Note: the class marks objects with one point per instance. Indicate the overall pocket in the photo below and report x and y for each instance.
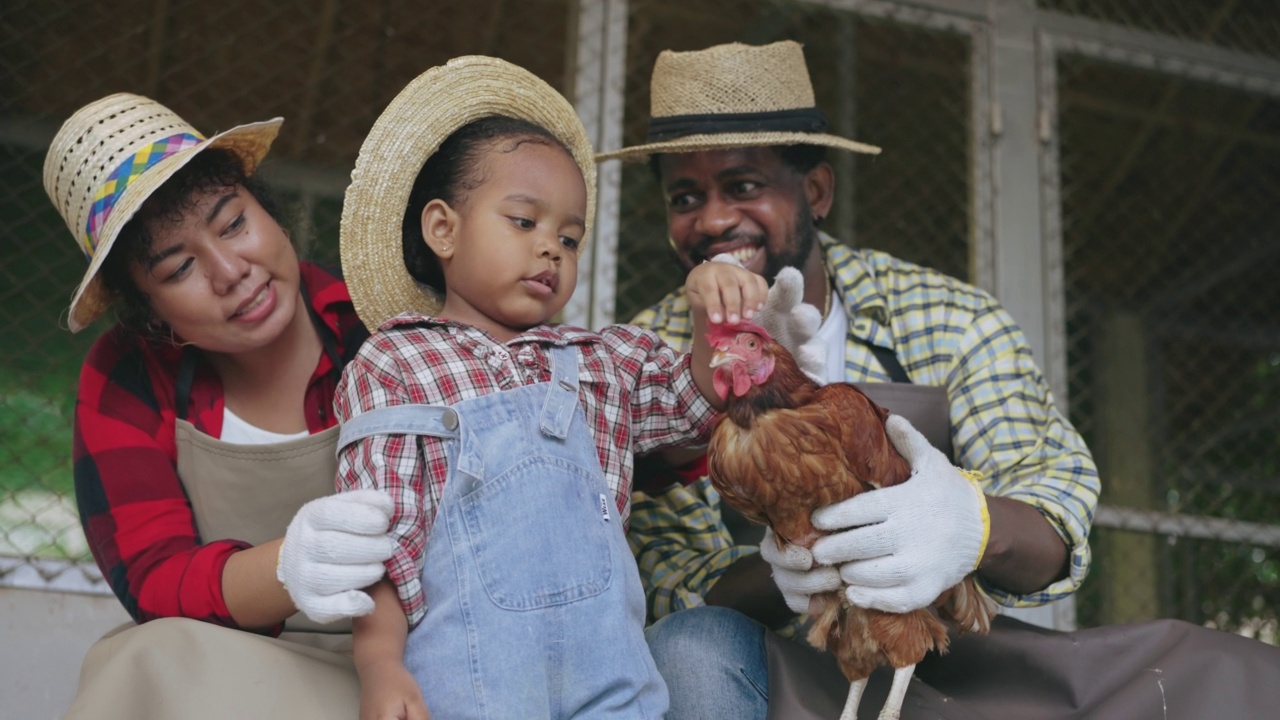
(538, 535)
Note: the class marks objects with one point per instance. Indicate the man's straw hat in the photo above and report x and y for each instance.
(731, 96)
(105, 162)
(424, 114)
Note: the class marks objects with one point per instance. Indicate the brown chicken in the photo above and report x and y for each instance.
(786, 447)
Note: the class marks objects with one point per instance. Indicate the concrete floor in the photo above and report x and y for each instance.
(43, 636)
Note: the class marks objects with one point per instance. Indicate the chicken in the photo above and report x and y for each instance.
(785, 447)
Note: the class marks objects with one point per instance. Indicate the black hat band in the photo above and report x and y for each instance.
(805, 120)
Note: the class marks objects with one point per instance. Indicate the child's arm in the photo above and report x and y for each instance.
(719, 292)
(387, 690)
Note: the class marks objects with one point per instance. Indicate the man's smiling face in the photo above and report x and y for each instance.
(745, 201)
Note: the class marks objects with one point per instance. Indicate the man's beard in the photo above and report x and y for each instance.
(804, 239)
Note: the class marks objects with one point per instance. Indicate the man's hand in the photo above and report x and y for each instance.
(792, 322)
(336, 545)
(794, 573)
(899, 547)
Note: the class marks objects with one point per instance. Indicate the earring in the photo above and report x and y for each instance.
(155, 327)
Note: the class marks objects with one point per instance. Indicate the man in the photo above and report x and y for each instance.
(739, 149)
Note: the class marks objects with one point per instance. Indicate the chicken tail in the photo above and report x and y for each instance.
(968, 607)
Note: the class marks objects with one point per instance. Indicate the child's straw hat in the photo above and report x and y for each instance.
(105, 162)
(415, 123)
(731, 96)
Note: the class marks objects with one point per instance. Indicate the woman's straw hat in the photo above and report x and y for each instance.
(105, 162)
(731, 96)
(429, 110)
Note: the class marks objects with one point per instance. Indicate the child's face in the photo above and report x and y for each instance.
(510, 254)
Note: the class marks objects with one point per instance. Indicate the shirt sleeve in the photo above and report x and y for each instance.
(393, 463)
(134, 511)
(681, 545)
(667, 408)
(1007, 426)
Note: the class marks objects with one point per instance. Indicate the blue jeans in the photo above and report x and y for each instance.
(713, 660)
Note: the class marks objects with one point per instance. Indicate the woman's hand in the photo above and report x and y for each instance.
(389, 692)
(336, 545)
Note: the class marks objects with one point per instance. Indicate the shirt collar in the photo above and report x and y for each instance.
(539, 334)
(855, 280)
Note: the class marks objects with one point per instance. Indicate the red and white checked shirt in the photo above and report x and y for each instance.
(637, 393)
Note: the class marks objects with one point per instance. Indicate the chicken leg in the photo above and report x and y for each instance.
(892, 709)
(855, 698)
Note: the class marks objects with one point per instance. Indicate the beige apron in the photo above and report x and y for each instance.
(188, 669)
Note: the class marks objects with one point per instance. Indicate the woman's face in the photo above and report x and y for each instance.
(223, 276)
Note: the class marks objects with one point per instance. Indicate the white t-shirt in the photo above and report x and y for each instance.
(834, 329)
(236, 431)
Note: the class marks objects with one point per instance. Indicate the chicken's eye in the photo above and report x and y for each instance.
(752, 343)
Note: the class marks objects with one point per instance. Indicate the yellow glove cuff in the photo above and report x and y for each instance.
(973, 476)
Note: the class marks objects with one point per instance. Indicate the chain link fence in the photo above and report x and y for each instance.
(1168, 200)
(1160, 195)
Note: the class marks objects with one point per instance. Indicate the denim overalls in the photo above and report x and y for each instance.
(534, 602)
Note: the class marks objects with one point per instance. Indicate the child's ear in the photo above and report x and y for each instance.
(439, 223)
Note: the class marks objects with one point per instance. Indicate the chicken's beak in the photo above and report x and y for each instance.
(722, 357)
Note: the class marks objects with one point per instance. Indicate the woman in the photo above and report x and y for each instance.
(204, 426)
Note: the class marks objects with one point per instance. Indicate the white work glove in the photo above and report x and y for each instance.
(911, 541)
(794, 573)
(793, 323)
(336, 545)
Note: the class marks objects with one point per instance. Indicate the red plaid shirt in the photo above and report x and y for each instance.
(636, 392)
(132, 506)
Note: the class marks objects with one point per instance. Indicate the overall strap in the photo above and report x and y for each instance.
(562, 391)
(888, 360)
(185, 380)
(435, 420)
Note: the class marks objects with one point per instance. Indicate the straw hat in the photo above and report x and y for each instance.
(108, 158)
(424, 114)
(731, 96)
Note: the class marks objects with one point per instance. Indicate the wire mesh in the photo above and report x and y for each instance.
(1170, 251)
(1167, 193)
(1247, 25)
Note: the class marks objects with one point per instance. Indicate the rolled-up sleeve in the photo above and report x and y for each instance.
(1007, 425)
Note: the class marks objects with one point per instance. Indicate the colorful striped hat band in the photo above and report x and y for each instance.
(118, 181)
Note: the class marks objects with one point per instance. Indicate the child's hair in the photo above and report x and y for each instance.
(211, 170)
(450, 173)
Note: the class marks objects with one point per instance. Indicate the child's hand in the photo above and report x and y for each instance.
(389, 692)
(725, 292)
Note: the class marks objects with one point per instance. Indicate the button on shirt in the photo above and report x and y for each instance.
(637, 394)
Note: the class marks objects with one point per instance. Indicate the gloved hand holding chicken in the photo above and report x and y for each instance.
(787, 447)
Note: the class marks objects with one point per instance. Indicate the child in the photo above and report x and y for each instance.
(504, 438)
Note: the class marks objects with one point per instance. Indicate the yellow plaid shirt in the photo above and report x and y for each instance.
(944, 332)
